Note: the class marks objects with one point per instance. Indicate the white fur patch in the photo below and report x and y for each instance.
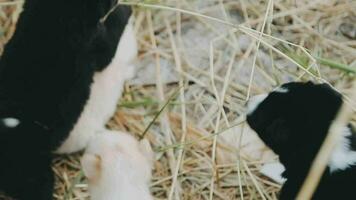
(11, 122)
(105, 92)
(274, 171)
(342, 156)
(118, 167)
(254, 102)
(281, 90)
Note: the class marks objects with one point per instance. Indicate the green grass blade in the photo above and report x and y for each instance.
(336, 65)
(159, 113)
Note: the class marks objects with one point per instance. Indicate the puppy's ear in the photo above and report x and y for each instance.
(146, 150)
(91, 166)
(277, 135)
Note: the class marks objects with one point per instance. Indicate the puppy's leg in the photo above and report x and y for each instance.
(127, 52)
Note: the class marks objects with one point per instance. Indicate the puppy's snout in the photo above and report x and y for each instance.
(254, 102)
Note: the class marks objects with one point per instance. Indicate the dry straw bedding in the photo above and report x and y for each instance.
(207, 57)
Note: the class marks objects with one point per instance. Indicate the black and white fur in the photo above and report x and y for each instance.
(293, 121)
(60, 78)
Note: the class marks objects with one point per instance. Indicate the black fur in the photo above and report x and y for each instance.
(294, 125)
(45, 75)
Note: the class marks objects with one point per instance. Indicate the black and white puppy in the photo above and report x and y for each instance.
(60, 78)
(293, 121)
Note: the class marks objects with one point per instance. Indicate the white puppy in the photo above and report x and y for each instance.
(118, 167)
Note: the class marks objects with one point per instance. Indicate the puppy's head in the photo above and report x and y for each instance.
(294, 118)
(115, 156)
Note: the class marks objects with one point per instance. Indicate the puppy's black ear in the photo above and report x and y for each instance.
(277, 136)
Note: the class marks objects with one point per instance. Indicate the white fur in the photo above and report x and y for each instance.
(11, 122)
(342, 156)
(274, 171)
(254, 102)
(105, 92)
(118, 167)
(281, 90)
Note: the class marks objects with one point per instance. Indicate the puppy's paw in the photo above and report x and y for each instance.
(91, 166)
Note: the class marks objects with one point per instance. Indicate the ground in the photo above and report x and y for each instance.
(206, 58)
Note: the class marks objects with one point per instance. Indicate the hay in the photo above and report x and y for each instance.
(210, 52)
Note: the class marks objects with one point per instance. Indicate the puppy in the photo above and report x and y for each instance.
(293, 121)
(118, 167)
(60, 78)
